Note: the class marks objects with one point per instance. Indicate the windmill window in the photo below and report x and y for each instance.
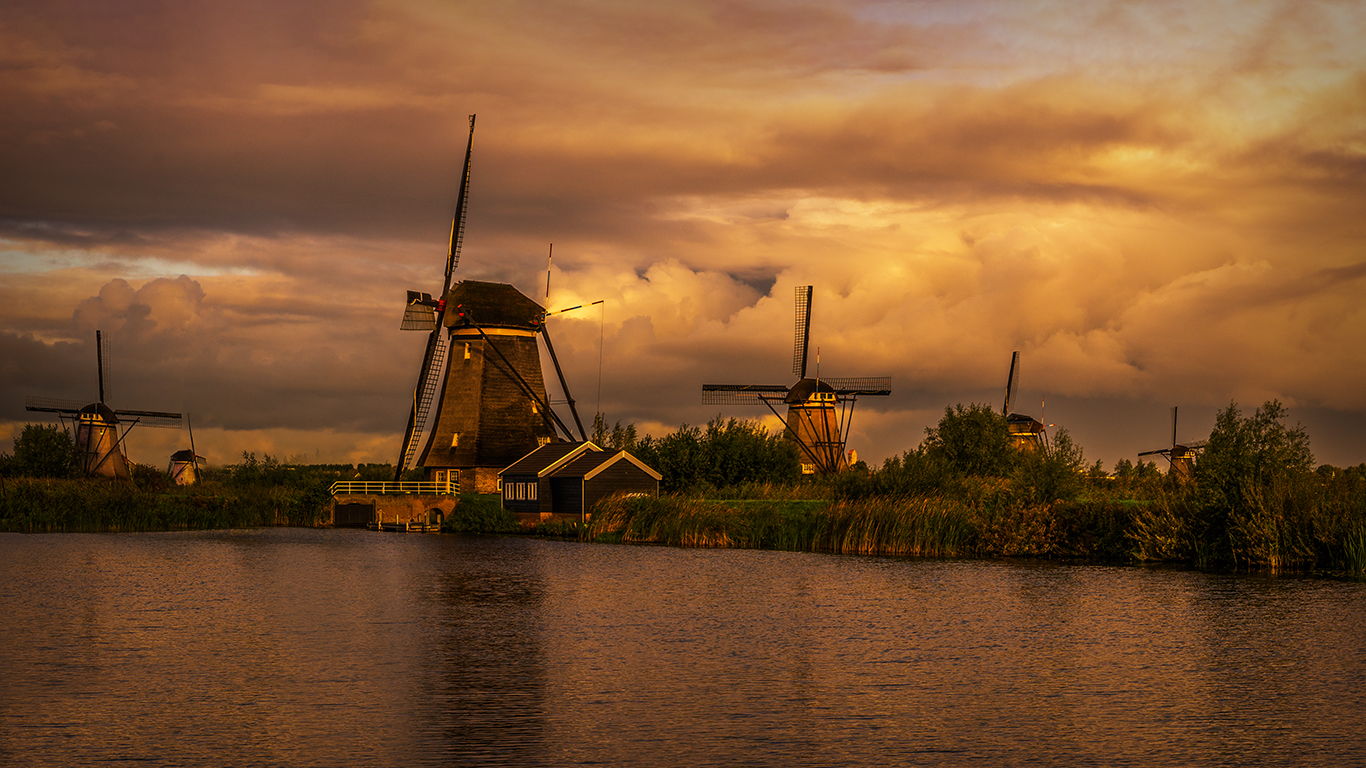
(455, 439)
(540, 441)
(467, 350)
(533, 408)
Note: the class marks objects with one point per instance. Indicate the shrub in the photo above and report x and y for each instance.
(43, 450)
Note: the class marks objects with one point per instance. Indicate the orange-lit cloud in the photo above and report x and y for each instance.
(1159, 204)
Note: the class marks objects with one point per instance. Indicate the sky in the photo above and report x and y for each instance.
(1158, 204)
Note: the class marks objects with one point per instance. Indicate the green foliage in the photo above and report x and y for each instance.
(1051, 472)
(971, 441)
(42, 450)
(618, 438)
(480, 513)
(148, 478)
(1257, 502)
(726, 453)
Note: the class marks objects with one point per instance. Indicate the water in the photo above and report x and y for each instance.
(310, 647)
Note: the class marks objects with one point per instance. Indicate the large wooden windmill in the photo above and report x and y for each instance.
(482, 371)
(1181, 456)
(100, 430)
(819, 411)
(1026, 432)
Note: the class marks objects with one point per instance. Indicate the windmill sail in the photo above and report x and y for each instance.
(818, 411)
(100, 343)
(802, 335)
(434, 355)
(1010, 383)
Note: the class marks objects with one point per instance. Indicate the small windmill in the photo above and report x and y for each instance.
(1026, 432)
(483, 375)
(1181, 456)
(184, 466)
(100, 431)
(819, 411)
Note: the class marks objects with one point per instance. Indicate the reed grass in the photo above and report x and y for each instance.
(96, 506)
(921, 527)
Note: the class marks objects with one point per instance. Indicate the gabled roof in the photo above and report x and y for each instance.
(491, 305)
(548, 458)
(589, 465)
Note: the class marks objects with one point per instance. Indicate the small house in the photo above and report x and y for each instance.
(565, 480)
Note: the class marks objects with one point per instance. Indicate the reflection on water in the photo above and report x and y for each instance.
(302, 647)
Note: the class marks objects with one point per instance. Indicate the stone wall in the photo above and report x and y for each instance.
(401, 508)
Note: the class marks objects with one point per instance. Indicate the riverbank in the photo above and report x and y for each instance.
(1098, 530)
(984, 523)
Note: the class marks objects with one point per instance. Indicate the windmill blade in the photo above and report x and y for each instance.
(1010, 383)
(53, 405)
(428, 380)
(802, 335)
(867, 385)
(420, 314)
(158, 419)
(458, 222)
(1159, 451)
(100, 344)
(719, 394)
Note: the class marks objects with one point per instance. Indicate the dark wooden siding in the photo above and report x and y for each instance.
(621, 477)
(524, 505)
(566, 494)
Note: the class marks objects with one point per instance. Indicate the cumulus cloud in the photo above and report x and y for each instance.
(1155, 203)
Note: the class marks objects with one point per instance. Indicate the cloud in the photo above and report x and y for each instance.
(239, 195)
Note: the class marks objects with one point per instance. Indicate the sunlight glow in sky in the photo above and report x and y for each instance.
(1158, 204)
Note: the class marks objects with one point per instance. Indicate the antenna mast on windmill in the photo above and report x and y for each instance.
(101, 430)
(482, 376)
(819, 411)
(1026, 432)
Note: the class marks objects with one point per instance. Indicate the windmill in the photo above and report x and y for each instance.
(481, 371)
(184, 466)
(1026, 432)
(819, 411)
(100, 431)
(1181, 457)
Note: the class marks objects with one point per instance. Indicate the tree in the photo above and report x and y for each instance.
(618, 438)
(1244, 454)
(1253, 488)
(44, 451)
(726, 453)
(1050, 472)
(971, 441)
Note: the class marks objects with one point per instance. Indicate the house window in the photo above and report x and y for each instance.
(531, 491)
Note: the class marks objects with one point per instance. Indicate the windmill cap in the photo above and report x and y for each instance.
(104, 412)
(491, 305)
(804, 389)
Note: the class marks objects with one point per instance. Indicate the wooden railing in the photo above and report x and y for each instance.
(388, 488)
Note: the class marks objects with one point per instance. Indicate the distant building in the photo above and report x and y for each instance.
(565, 480)
(184, 467)
(1026, 432)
